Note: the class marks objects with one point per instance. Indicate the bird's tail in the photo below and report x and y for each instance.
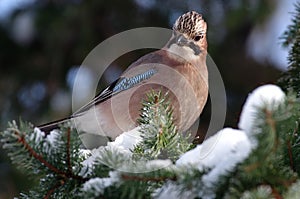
(53, 125)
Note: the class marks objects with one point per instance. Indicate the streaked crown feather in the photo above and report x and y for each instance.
(192, 24)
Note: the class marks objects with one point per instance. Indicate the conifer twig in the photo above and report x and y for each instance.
(290, 155)
(68, 151)
(32, 152)
(50, 191)
(147, 179)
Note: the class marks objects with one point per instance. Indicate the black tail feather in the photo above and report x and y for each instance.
(48, 127)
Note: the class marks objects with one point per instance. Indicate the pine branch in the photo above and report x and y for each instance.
(52, 157)
(160, 136)
(68, 152)
(267, 165)
(33, 153)
(293, 30)
(53, 189)
(290, 153)
(112, 172)
(290, 80)
(147, 179)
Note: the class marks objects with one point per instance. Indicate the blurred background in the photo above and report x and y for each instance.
(43, 43)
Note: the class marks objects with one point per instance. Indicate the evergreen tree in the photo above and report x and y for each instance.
(260, 162)
(65, 170)
(291, 78)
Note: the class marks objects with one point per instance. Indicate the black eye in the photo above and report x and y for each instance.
(198, 37)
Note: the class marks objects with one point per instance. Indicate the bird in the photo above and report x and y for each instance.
(179, 69)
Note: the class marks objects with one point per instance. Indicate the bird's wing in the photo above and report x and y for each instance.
(119, 85)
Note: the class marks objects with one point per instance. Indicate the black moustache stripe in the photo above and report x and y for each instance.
(195, 48)
(191, 45)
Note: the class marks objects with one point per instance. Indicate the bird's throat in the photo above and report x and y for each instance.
(186, 52)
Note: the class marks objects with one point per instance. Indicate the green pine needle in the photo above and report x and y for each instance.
(290, 80)
(160, 136)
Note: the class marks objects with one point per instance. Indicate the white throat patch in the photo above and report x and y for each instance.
(183, 51)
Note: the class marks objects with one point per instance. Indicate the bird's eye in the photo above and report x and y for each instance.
(198, 37)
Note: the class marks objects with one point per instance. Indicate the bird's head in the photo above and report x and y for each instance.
(189, 31)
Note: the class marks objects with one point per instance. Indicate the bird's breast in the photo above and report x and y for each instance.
(184, 82)
(187, 91)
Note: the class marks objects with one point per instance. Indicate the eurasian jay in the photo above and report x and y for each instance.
(179, 69)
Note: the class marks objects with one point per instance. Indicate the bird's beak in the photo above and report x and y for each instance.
(181, 40)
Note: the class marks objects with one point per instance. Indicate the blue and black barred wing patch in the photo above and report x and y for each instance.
(127, 83)
(117, 86)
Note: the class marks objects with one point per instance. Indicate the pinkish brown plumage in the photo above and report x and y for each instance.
(179, 69)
